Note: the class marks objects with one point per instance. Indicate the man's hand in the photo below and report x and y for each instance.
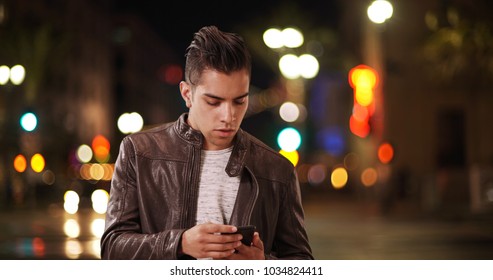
(254, 252)
(205, 241)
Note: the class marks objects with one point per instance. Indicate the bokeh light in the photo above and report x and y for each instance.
(97, 227)
(273, 38)
(20, 163)
(289, 139)
(130, 123)
(4, 74)
(37, 163)
(288, 64)
(339, 177)
(385, 153)
(96, 172)
(380, 11)
(289, 112)
(363, 96)
(292, 156)
(292, 67)
(359, 128)
(84, 153)
(94, 247)
(71, 202)
(29, 121)
(292, 37)
(101, 148)
(369, 177)
(73, 249)
(172, 74)
(360, 113)
(99, 199)
(17, 74)
(331, 139)
(289, 37)
(317, 174)
(363, 79)
(363, 76)
(308, 66)
(39, 247)
(71, 228)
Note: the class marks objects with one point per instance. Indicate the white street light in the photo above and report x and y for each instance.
(292, 38)
(4, 74)
(292, 67)
(380, 11)
(130, 123)
(288, 64)
(289, 37)
(17, 74)
(308, 66)
(273, 38)
(289, 111)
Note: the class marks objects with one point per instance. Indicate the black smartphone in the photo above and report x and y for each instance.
(246, 232)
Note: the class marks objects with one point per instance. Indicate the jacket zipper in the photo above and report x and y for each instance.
(255, 185)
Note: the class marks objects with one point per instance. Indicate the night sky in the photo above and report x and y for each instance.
(176, 21)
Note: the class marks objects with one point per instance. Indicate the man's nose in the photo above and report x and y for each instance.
(228, 113)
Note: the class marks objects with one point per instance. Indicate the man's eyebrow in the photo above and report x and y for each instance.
(210, 95)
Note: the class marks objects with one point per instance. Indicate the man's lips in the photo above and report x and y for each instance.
(225, 131)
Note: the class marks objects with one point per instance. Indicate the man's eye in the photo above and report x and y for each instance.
(213, 103)
(240, 101)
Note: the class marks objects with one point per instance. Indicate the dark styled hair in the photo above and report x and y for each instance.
(216, 50)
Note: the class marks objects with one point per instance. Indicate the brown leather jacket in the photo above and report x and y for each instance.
(153, 196)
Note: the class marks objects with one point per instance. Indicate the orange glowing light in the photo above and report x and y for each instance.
(101, 148)
(20, 163)
(385, 153)
(360, 113)
(359, 128)
(369, 177)
(363, 76)
(339, 177)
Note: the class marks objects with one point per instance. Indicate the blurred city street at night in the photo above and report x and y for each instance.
(383, 107)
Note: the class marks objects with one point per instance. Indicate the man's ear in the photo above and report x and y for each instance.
(186, 93)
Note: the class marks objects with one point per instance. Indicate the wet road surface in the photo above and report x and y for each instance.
(339, 228)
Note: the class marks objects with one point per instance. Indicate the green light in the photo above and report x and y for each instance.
(29, 121)
(289, 139)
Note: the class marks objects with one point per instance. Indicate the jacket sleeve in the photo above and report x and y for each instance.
(291, 240)
(123, 237)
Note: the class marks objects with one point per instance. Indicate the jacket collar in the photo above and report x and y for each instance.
(238, 155)
(186, 132)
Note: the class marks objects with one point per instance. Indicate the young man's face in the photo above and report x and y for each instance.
(217, 106)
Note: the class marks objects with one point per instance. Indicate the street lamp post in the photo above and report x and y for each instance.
(379, 12)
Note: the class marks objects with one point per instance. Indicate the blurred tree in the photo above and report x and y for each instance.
(459, 49)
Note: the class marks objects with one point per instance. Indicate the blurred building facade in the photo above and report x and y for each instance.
(435, 61)
(85, 65)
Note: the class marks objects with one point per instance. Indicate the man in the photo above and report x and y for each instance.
(178, 188)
